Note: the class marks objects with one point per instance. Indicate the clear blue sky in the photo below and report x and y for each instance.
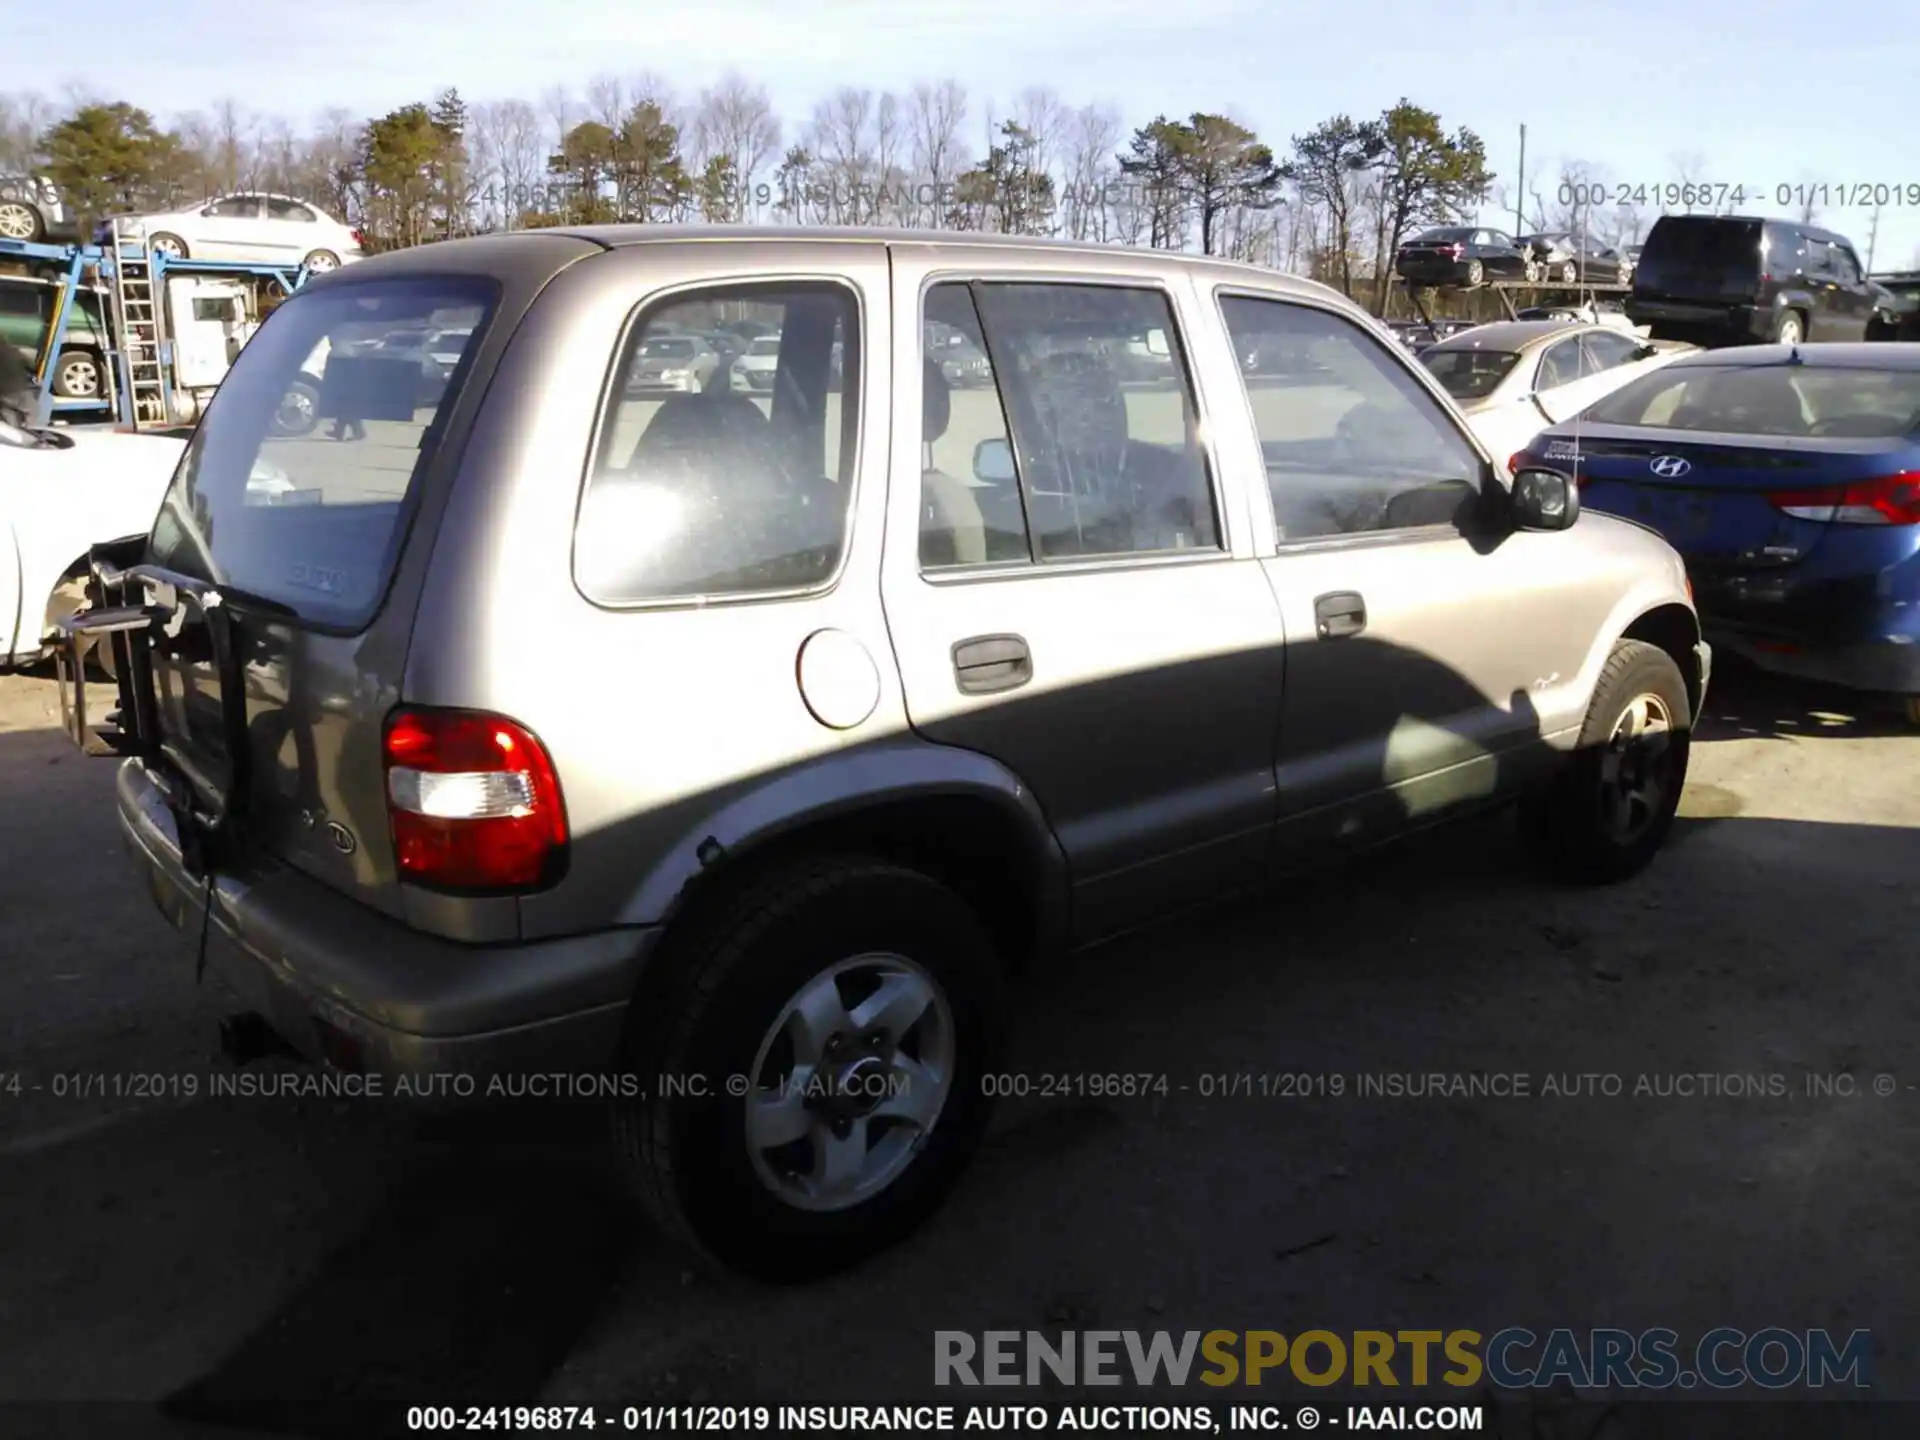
(1761, 93)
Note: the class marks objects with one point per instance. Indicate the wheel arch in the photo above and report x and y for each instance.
(1674, 628)
(957, 815)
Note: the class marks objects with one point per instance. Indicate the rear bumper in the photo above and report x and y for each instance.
(345, 985)
(1729, 321)
(1887, 666)
(1436, 272)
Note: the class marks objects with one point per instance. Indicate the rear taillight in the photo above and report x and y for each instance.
(1885, 500)
(474, 802)
(1515, 460)
(360, 239)
(1458, 251)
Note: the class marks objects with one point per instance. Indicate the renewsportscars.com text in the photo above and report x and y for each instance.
(1514, 1358)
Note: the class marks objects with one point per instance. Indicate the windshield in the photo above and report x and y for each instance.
(666, 349)
(322, 543)
(1769, 400)
(1469, 374)
(765, 345)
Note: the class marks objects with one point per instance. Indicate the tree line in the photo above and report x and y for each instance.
(1333, 202)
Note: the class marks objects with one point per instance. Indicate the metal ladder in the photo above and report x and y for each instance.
(140, 327)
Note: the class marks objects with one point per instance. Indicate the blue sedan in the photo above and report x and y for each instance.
(1789, 478)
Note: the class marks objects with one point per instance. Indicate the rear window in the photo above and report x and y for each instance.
(1469, 374)
(1769, 400)
(1445, 232)
(1701, 247)
(298, 482)
(736, 487)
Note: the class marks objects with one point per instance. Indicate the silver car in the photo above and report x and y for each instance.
(735, 752)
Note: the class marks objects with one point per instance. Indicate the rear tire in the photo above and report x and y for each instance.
(299, 411)
(1790, 329)
(1913, 709)
(78, 375)
(1569, 273)
(172, 246)
(320, 262)
(731, 990)
(20, 221)
(1476, 274)
(1609, 811)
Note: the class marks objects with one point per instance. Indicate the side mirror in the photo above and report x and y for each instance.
(993, 462)
(1543, 500)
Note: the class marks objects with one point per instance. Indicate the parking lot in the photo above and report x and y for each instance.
(247, 1253)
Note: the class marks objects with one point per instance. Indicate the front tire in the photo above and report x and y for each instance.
(1609, 811)
(1569, 273)
(320, 262)
(1913, 709)
(823, 978)
(1791, 330)
(1476, 274)
(171, 246)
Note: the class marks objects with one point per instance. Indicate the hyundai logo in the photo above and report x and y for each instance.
(1671, 467)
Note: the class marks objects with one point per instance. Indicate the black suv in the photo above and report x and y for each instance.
(1741, 280)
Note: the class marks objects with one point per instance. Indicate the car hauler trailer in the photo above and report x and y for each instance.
(172, 326)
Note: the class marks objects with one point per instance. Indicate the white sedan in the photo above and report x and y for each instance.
(62, 491)
(273, 229)
(1514, 378)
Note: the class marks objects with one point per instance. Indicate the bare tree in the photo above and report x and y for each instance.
(1041, 114)
(842, 143)
(24, 118)
(331, 169)
(1689, 172)
(277, 156)
(935, 117)
(508, 160)
(735, 122)
(1093, 138)
(892, 152)
(562, 112)
(233, 131)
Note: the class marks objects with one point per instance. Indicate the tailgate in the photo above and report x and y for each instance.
(261, 670)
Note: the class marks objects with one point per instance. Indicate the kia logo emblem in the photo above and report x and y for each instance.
(341, 837)
(1671, 467)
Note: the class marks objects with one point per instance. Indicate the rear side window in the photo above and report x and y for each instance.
(298, 483)
(714, 478)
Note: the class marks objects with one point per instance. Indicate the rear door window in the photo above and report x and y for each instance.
(739, 481)
(299, 482)
(1560, 365)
